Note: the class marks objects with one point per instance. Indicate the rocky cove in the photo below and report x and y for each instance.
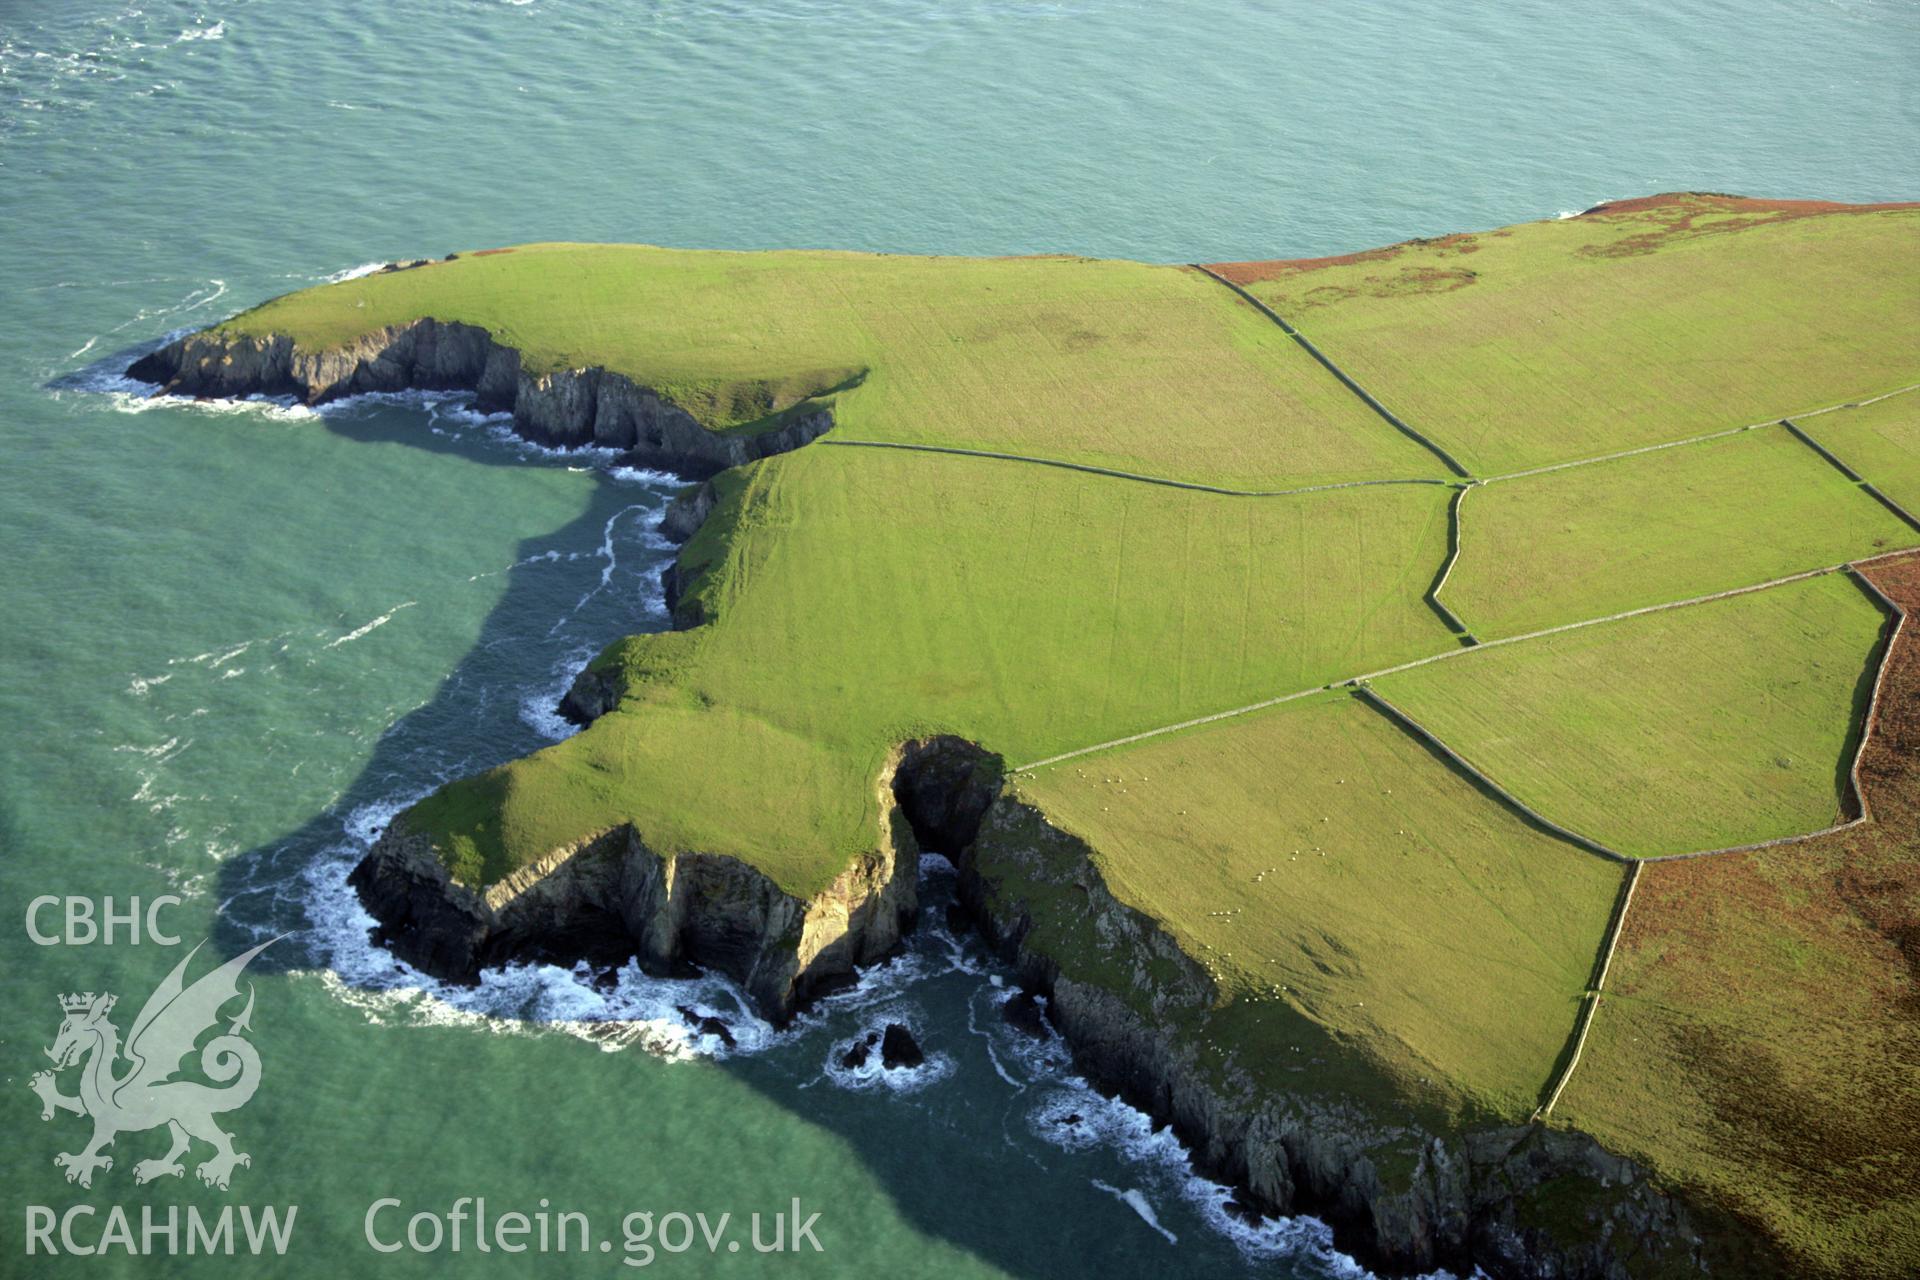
(1520, 1201)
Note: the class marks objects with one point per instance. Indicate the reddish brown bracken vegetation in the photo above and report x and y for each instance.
(1245, 273)
(1667, 217)
(1790, 977)
(1677, 214)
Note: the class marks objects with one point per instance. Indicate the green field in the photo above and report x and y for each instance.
(1881, 442)
(1317, 856)
(1116, 364)
(1591, 541)
(1704, 727)
(1567, 339)
(1031, 609)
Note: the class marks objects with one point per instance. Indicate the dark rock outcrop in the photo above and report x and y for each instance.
(899, 1050)
(593, 693)
(706, 1024)
(856, 1057)
(565, 408)
(613, 896)
(1023, 1013)
(944, 785)
(688, 511)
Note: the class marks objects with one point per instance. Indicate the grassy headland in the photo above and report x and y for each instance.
(1356, 901)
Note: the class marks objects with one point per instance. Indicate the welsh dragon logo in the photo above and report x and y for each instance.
(145, 1094)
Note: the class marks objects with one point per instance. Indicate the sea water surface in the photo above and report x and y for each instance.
(234, 639)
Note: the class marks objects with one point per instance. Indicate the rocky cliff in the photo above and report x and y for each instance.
(612, 897)
(568, 408)
(1520, 1201)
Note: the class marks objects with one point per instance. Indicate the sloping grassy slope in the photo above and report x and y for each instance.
(1323, 863)
(1881, 442)
(1119, 364)
(1595, 540)
(1761, 1042)
(866, 596)
(1720, 724)
(1646, 321)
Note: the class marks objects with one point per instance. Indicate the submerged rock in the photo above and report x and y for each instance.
(706, 1024)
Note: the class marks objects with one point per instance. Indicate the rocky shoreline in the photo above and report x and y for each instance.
(569, 408)
(612, 898)
(1470, 1199)
(1479, 1198)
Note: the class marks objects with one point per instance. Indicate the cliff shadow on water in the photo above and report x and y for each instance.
(944, 1163)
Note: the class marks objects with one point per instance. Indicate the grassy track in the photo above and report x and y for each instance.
(1723, 724)
(1031, 609)
(1322, 861)
(1880, 442)
(1640, 323)
(1671, 525)
(1114, 364)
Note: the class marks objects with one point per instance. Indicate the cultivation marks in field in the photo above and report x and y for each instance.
(1449, 654)
(1878, 442)
(1589, 1002)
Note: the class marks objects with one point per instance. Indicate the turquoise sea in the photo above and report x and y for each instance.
(234, 638)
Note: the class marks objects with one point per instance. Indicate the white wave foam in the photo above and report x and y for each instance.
(352, 273)
(128, 395)
(218, 31)
(1075, 1117)
(364, 628)
(539, 709)
(1136, 1200)
(624, 1009)
(643, 475)
(653, 601)
(162, 752)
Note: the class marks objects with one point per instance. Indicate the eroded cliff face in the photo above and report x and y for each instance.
(612, 897)
(1515, 1200)
(566, 409)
